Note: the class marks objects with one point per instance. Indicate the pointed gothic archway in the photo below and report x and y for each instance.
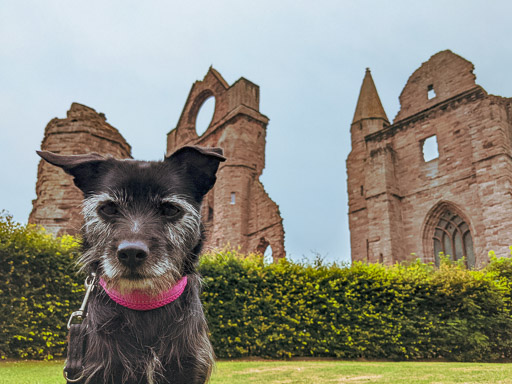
(447, 230)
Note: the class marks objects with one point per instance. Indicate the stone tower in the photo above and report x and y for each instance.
(58, 203)
(406, 201)
(237, 211)
(369, 118)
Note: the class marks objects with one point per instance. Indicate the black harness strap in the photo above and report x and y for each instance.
(73, 371)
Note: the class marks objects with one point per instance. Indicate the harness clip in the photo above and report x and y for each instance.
(90, 283)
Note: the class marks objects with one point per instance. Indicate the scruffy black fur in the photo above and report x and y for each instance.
(143, 231)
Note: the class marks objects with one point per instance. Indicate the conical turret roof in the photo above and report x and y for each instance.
(368, 104)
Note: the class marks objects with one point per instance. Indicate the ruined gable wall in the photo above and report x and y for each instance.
(58, 203)
(239, 129)
(448, 74)
(474, 154)
(472, 174)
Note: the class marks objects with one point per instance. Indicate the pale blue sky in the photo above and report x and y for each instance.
(136, 61)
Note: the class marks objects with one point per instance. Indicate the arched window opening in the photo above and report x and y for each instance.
(267, 255)
(205, 115)
(264, 248)
(452, 237)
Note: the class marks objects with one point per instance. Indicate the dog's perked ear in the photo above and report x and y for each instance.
(84, 168)
(200, 163)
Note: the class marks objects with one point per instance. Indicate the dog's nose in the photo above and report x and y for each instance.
(132, 254)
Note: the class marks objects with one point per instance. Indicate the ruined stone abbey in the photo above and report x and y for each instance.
(436, 179)
(405, 203)
(237, 212)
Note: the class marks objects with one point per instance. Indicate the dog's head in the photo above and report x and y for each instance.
(142, 218)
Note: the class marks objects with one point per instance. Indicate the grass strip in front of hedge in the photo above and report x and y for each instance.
(301, 372)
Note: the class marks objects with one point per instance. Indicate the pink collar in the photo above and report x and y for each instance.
(140, 301)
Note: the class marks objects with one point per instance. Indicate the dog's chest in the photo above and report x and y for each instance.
(138, 329)
(137, 341)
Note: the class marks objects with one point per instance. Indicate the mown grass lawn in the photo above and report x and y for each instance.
(310, 372)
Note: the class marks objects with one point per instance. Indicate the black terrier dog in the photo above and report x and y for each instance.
(142, 237)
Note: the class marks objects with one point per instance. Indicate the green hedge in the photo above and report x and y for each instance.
(280, 310)
(38, 289)
(362, 311)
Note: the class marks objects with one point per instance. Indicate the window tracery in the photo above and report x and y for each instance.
(453, 237)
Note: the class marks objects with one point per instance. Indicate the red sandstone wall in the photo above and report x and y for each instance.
(448, 73)
(473, 173)
(253, 221)
(58, 203)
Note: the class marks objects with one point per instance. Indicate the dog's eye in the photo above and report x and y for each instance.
(109, 209)
(169, 210)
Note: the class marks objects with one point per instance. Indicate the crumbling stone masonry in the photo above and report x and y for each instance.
(400, 200)
(58, 203)
(237, 211)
